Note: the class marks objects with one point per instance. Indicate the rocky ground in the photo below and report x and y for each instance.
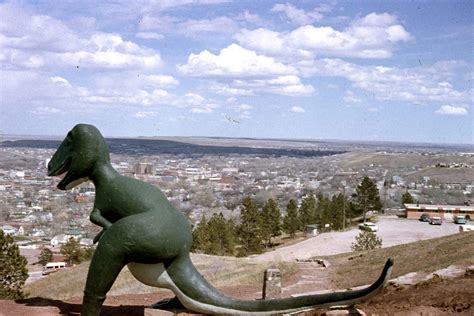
(446, 293)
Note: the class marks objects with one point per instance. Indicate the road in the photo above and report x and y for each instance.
(392, 230)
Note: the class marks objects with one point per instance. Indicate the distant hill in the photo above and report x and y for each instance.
(160, 146)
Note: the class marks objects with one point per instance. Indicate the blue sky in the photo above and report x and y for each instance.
(359, 70)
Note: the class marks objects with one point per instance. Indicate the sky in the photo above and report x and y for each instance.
(349, 70)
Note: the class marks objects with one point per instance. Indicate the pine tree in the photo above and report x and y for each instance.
(72, 251)
(336, 211)
(200, 236)
(366, 241)
(221, 236)
(13, 271)
(291, 221)
(249, 230)
(367, 197)
(45, 256)
(323, 212)
(307, 211)
(407, 198)
(271, 221)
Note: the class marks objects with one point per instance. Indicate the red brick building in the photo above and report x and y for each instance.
(443, 211)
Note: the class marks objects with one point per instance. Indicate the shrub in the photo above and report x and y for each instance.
(366, 240)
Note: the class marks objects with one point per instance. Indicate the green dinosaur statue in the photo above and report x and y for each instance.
(143, 230)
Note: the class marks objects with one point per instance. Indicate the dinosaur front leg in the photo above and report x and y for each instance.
(106, 264)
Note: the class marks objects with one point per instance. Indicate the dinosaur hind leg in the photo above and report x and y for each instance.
(105, 266)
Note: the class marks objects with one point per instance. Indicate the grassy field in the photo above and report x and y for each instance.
(220, 271)
(353, 269)
(393, 161)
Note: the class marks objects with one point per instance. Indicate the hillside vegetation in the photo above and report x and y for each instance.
(346, 270)
(220, 271)
(359, 268)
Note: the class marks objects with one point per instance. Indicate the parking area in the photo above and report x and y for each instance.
(392, 230)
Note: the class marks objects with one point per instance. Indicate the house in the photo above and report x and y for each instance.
(9, 230)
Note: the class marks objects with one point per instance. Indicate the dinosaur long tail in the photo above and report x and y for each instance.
(196, 294)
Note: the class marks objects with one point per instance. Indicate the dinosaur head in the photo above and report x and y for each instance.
(79, 153)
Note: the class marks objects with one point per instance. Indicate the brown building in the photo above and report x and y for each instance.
(443, 211)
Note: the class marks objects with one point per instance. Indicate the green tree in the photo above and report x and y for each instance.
(72, 251)
(13, 271)
(249, 230)
(46, 255)
(407, 198)
(336, 216)
(200, 236)
(307, 211)
(366, 240)
(323, 212)
(291, 222)
(271, 221)
(367, 197)
(221, 234)
(88, 253)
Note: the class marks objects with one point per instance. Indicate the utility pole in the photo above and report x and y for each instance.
(344, 205)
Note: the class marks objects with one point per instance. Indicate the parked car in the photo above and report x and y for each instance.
(425, 217)
(435, 220)
(466, 228)
(460, 219)
(52, 267)
(368, 226)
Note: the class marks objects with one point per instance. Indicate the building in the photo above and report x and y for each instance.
(144, 168)
(9, 230)
(443, 211)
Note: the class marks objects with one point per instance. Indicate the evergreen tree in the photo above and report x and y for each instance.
(366, 241)
(45, 256)
(307, 211)
(367, 197)
(200, 236)
(336, 211)
(271, 221)
(323, 212)
(88, 253)
(13, 271)
(291, 221)
(221, 236)
(249, 230)
(407, 198)
(72, 251)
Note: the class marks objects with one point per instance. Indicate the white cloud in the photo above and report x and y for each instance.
(300, 16)
(149, 35)
(416, 85)
(144, 114)
(233, 61)
(297, 109)
(451, 110)
(262, 40)
(350, 97)
(39, 41)
(46, 110)
(372, 36)
(251, 87)
(216, 25)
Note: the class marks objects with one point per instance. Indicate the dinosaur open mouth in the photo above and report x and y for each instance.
(62, 168)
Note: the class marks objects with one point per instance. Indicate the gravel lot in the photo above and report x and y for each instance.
(392, 230)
